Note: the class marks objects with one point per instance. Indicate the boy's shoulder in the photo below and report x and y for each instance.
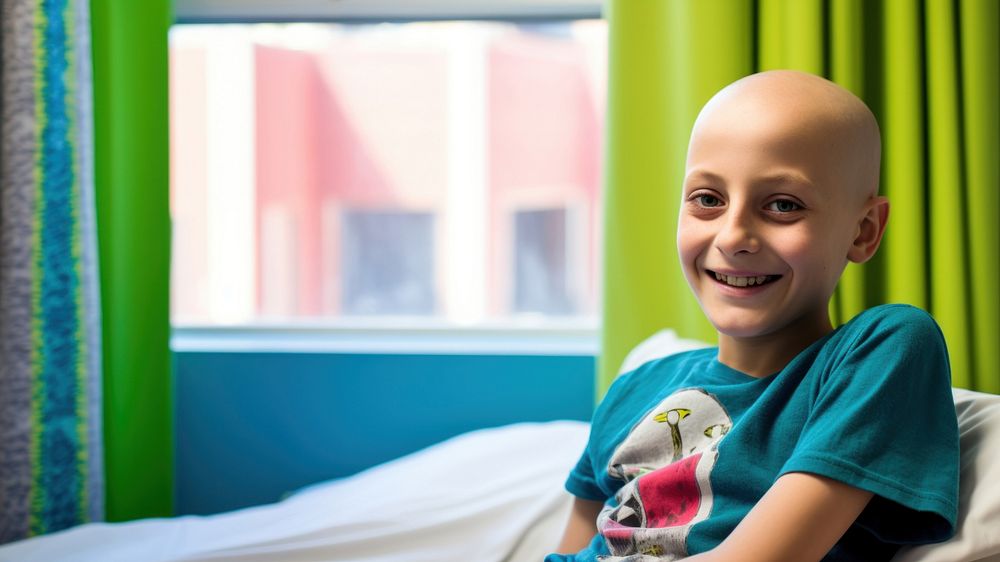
(672, 360)
(894, 318)
(661, 344)
(656, 369)
(895, 311)
(882, 339)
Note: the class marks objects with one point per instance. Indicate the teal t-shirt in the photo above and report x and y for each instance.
(683, 447)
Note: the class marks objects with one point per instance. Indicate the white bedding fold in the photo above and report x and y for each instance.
(493, 494)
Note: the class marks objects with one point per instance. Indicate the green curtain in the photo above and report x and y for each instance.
(928, 70)
(131, 181)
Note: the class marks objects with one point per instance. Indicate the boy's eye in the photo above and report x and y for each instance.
(706, 200)
(783, 206)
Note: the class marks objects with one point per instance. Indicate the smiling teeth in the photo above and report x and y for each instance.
(741, 281)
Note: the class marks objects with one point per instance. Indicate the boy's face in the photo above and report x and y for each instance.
(766, 223)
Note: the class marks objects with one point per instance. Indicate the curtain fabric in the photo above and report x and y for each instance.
(929, 71)
(51, 457)
(131, 160)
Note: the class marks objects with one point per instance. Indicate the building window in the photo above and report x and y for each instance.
(387, 263)
(541, 263)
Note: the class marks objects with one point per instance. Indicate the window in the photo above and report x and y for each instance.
(541, 263)
(445, 170)
(388, 263)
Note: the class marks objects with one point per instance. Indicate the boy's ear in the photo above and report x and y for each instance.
(870, 230)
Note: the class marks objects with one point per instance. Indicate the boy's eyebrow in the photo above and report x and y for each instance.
(787, 176)
(778, 176)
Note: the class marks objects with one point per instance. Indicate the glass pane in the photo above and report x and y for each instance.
(540, 267)
(433, 169)
(388, 263)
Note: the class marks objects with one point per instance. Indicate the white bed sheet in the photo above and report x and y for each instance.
(493, 494)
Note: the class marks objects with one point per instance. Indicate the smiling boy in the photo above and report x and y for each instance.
(791, 440)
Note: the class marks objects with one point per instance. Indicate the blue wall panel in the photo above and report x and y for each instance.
(253, 426)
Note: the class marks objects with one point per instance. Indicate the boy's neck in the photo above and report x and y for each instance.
(764, 355)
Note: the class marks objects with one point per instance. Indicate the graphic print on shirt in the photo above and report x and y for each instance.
(665, 461)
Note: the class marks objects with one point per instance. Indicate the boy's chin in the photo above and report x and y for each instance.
(747, 324)
(742, 327)
(740, 333)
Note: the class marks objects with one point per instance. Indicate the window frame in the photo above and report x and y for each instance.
(389, 335)
(366, 11)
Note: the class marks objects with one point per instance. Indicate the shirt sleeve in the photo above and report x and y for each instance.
(583, 480)
(883, 420)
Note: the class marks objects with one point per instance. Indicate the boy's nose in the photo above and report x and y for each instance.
(737, 235)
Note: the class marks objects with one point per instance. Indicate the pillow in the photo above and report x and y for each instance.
(978, 536)
(660, 344)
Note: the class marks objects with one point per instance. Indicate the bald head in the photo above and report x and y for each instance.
(823, 123)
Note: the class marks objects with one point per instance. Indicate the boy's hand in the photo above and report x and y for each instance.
(582, 526)
(799, 519)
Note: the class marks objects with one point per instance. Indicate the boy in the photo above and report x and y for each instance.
(792, 440)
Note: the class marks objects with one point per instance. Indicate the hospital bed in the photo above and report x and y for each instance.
(489, 495)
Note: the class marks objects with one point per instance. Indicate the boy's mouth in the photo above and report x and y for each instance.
(742, 281)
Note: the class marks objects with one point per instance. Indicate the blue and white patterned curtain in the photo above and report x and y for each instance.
(51, 457)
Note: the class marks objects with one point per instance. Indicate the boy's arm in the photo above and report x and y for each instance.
(582, 526)
(799, 519)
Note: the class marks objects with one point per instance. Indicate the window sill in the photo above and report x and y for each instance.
(385, 336)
